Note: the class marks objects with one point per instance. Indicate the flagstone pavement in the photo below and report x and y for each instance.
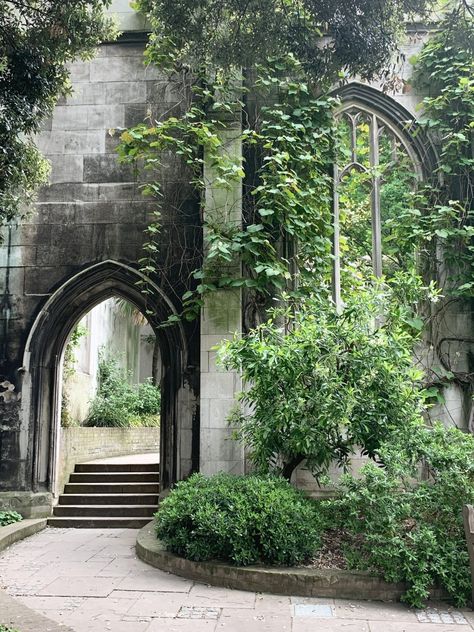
(91, 581)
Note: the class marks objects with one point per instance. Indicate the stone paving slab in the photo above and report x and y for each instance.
(15, 614)
(89, 580)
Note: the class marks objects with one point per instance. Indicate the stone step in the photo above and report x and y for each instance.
(112, 488)
(108, 499)
(112, 522)
(105, 510)
(117, 467)
(114, 477)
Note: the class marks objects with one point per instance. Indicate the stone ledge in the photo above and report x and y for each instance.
(20, 530)
(301, 582)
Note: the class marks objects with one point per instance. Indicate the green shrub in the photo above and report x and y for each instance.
(5, 628)
(121, 404)
(239, 519)
(409, 531)
(320, 384)
(9, 517)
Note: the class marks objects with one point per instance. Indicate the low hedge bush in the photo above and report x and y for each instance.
(408, 530)
(9, 517)
(239, 519)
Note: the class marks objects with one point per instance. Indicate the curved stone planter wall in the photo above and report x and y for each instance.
(20, 530)
(303, 582)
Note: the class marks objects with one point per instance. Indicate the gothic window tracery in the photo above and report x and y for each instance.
(374, 160)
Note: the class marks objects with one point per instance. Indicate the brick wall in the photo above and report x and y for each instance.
(85, 444)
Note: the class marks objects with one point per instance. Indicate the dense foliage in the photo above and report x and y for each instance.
(120, 404)
(242, 33)
(445, 69)
(69, 370)
(9, 517)
(240, 519)
(408, 530)
(319, 384)
(37, 39)
(4, 628)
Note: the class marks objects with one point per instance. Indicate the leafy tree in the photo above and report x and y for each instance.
(445, 70)
(320, 384)
(37, 39)
(242, 33)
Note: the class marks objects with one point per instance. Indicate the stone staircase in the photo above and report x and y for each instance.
(108, 496)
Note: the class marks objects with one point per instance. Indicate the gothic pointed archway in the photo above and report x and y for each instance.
(43, 358)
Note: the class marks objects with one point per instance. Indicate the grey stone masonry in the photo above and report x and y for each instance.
(91, 212)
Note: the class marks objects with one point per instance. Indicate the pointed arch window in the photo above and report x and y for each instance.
(371, 153)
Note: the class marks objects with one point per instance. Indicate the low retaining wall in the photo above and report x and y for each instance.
(302, 582)
(85, 444)
(20, 530)
(28, 504)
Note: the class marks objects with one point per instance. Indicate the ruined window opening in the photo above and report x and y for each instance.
(369, 148)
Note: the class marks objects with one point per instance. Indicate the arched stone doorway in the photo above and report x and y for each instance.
(42, 370)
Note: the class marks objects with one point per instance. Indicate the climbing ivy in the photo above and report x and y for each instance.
(290, 200)
(289, 147)
(445, 69)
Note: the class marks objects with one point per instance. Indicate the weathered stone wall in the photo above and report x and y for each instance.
(93, 211)
(86, 444)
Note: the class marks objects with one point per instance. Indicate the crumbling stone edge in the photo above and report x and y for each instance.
(20, 530)
(302, 582)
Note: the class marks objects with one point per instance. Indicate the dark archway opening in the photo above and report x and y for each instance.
(179, 441)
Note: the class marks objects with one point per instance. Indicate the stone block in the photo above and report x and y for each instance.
(79, 71)
(209, 468)
(126, 92)
(118, 241)
(66, 168)
(87, 94)
(60, 213)
(47, 124)
(105, 116)
(89, 192)
(219, 385)
(40, 281)
(17, 257)
(125, 49)
(219, 410)
(136, 113)
(217, 445)
(29, 504)
(112, 140)
(106, 69)
(106, 168)
(84, 142)
(50, 142)
(70, 117)
(31, 235)
(78, 239)
(208, 341)
(162, 90)
(111, 212)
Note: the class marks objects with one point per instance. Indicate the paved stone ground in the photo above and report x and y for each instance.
(91, 581)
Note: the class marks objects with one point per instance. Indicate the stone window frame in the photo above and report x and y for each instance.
(383, 113)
